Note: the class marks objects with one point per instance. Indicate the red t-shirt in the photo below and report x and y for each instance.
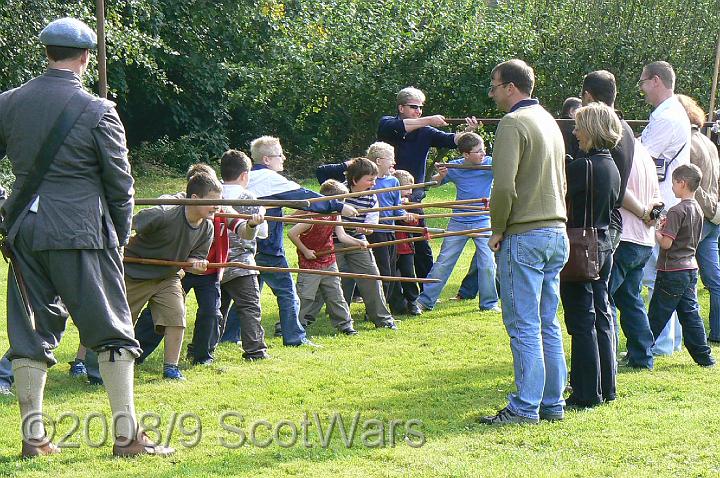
(220, 247)
(318, 238)
(405, 248)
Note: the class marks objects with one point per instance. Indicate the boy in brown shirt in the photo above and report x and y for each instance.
(678, 236)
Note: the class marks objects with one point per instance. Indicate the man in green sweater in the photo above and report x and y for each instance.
(527, 213)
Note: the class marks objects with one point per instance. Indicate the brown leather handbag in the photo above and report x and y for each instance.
(583, 265)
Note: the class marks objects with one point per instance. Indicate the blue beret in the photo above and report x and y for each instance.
(68, 32)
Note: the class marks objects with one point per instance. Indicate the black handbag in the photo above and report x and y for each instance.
(583, 265)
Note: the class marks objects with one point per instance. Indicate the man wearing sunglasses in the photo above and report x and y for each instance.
(412, 135)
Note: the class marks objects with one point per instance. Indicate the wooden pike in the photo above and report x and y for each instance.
(459, 204)
(470, 232)
(445, 214)
(345, 224)
(240, 265)
(221, 202)
(559, 120)
(373, 191)
(484, 167)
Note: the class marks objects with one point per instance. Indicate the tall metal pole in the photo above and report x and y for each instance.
(101, 58)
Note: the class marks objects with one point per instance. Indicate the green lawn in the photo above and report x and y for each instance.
(443, 369)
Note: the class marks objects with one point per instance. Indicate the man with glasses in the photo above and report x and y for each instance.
(667, 139)
(527, 213)
(412, 135)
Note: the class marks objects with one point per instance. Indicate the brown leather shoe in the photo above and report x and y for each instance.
(126, 448)
(33, 447)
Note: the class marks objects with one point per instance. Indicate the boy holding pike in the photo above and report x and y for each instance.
(470, 183)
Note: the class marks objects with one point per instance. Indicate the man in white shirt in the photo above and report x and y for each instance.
(667, 139)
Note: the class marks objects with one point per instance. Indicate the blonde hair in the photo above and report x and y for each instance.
(410, 93)
(600, 123)
(333, 188)
(199, 168)
(380, 150)
(262, 147)
(693, 110)
(404, 177)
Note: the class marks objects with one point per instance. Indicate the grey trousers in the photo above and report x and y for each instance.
(363, 262)
(86, 284)
(327, 290)
(245, 291)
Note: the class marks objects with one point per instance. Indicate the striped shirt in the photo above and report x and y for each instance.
(362, 202)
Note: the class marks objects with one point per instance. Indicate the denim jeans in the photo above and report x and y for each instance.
(469, 285)
(529, 265)
(626, 290)
(670, 340)
(450, 251)
(707, 258)
(231, 331)
(675, 291)
(6, 373)
(590, 325)
(283, 286)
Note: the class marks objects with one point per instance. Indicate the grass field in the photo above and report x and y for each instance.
(432, 378)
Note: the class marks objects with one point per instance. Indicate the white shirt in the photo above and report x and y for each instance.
(667, 132)
(643, 184)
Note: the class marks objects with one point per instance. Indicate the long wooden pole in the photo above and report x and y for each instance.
(241, 265)
(559, 120)
(713, 90)
(459, 204)
(470, 232)
(443, 214)
(373, 191)
(221, 202)
(102, 57)
(345, 224)
(463, 166)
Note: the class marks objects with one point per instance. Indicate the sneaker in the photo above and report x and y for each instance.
(459, 297)
(172, 372)
(494, 308)
(349, 331)
(414, 308)
(309, 343)
(387, 325)
(551, 416)
(507, 417)
(78, 369)
(93, 380)
(5, 389)
(253, 358)
(205, 361)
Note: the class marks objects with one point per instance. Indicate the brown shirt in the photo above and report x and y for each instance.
(684, 225)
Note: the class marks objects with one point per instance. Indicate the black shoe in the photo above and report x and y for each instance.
(205, 361)
(349, 331)
(571, 403)
(387, 325)
(507, 417)
(713, 341)
(278, 329)
(551, 416)
(309, 320)
(414, 308)
(253, 358)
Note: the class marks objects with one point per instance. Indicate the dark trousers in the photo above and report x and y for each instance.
(206, 332)
(245, 292)
(405, 292)
(423, 259)
(590, 325)
(675, 291)
(385, 258)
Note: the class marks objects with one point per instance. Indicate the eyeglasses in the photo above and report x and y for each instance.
(643, 80)
(415, 107)
(481, 152)
(492, 87)
(275, 155)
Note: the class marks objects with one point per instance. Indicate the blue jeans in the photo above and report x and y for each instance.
(626, 290)
(707, 258)
(670, 340)
(282, 285)
(231, 333)
(6, 373)
(469, 285)
(450, 251)
(675, 291)
(529, 265)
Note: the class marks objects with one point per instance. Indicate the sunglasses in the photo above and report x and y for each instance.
(415, 107)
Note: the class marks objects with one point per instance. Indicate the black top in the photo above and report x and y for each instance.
(606, 182)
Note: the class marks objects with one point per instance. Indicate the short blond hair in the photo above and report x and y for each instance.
(262, 147)
(404, 177)
(600, 123)
(333, 188)
(410, 93)
(199, 168)
(380, 150)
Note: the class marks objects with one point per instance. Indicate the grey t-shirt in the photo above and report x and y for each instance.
(163, 232)
(684, 225)
(242, 250)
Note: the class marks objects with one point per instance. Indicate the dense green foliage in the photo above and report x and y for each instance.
(319, 74)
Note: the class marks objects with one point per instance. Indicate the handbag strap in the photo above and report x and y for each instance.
(55, 138)
(589, 185)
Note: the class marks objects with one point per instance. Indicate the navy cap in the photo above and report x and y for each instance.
(68, 32)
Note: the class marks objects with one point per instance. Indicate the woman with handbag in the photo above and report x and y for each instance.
(593, 187)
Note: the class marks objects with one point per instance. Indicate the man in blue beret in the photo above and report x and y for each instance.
(65, 235)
